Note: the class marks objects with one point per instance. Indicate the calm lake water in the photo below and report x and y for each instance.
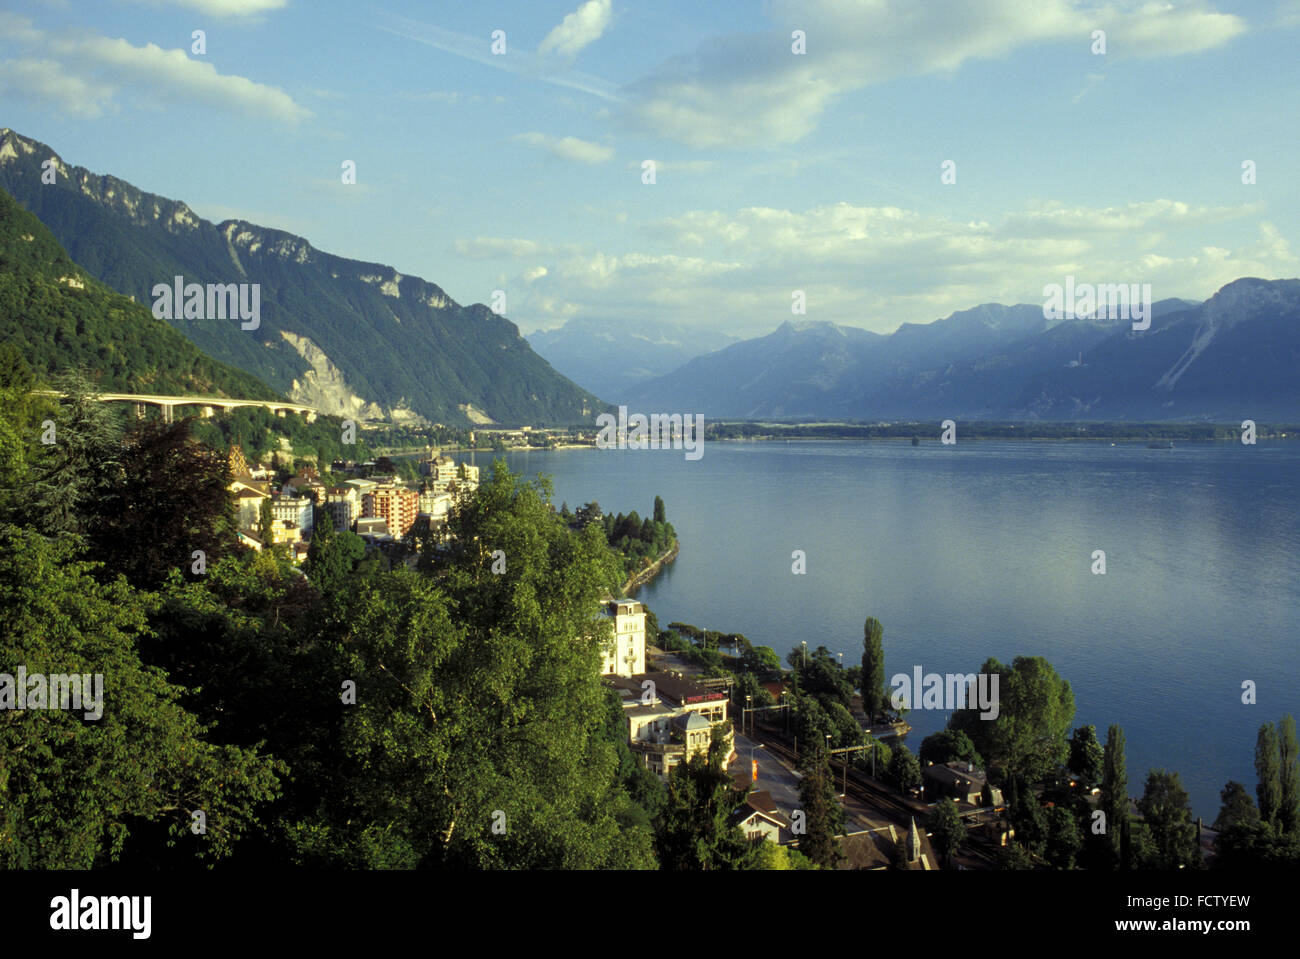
(985, 549)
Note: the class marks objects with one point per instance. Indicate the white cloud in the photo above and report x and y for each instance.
(747, 90)
(569, 148)
(877, 267)
(223, 8)
(578, 29)
(50, 82)
(486, 248)
(86, 70)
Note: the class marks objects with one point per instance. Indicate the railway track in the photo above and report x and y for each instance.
(898, 809)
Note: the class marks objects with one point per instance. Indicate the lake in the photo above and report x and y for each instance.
(986, 549)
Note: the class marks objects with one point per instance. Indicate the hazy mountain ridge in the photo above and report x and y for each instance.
(395, 343)
(609, 359)
(1235, 356)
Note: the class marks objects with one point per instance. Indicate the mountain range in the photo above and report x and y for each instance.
(610, 359)
(59, 316)
(1235, 356)
(349, 337)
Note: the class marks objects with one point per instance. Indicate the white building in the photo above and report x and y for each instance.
(294, 509)
(625, 654)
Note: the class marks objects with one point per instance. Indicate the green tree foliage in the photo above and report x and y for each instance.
(696, 828)
(639, 542)
(69, 475)
(1064, 841)
(904, 770)
(1036, 707)
(1268, 768)
(60, 317)
(949, 745)
(1238, 808)
(333, 558)
(1113, 800)
(823, 815)
(1014, 857)
(1288, 817)
(1167, 814)
(1086, 756)
(769, 855)
(947, 832)
(170, 498)
(660, 516)
(498, 709)
(72, 789)
(1029, 819)
(875, 694)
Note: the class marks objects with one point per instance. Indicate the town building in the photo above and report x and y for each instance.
(959, 781)
(343, 503)
(447, 476)
(397, 506)
(760, 819)
(671, 718)
(294, 510)
(625, 654)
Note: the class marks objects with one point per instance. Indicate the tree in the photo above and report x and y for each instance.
(1167, 814)
(333, 558)
(770, 855)
(1086, 756)
(947, 833)
(823, 815)
(659, 514)
(170, 499)
(1238, 808)
(696, 829)
(1114, 786)
(1035, 709)
(904, 770)
(949, 745)
(874, 691)
(1289, 776)
(1030, 820)
(478, 737)
(1013, 856)
(1268, 767)
(75, 787)
(68, 476)
(265, 524)
(1063, 838)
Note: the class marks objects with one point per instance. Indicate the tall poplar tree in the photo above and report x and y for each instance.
(1289, 774)
(1114, 787)
(873, 669)
(1268, 768)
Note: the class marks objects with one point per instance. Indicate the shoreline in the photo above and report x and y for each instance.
(640, 579)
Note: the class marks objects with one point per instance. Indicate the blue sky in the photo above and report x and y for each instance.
(774, 171)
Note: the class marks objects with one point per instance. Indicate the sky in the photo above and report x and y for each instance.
(775, 171)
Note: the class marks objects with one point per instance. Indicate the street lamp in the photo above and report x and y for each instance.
(749, 703)
(753, 764)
